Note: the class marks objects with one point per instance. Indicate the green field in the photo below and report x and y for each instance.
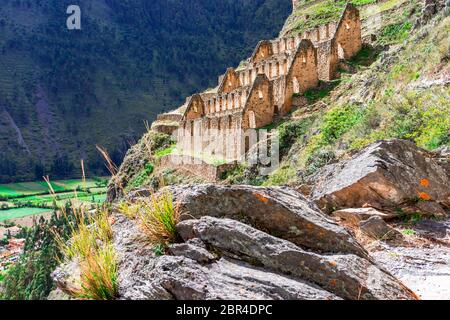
(98, 196)
(18, 200)
(20, 213)
(22, 189)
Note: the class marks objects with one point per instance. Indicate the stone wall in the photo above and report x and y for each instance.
(302, 74)
(195, 108)
(327, 60)
(230, 81)
(264, 87)
(195, 166)
(262, 51)
(348, 33)
(259, 109)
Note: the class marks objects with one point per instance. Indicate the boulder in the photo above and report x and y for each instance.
(58, 295)
(227, 279)
(192, 250)
(387, 175)
(375, 227)
(279, 211)
(348, 276)
(67, 277)
(144, 276)
(355, 215)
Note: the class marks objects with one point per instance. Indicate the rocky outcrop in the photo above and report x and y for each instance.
(227, 259)
(135, 160)
(244, 242)
(377, 228)
(353, 216)
(281, 212)
(345, 275)
(387, 175)
(67, 279)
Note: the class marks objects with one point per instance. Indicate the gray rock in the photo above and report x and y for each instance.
(386, 175)
(282, 212)
(136, 259)
(376, 228)
(58, 295)
(143, 276)
(355, 215)
(192, 251)
(67, 277)
(228, 279)
(347, 276)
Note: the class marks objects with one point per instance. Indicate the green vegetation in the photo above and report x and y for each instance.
(23, 189)
(29, 278)
(157, 216)
(409, 232)
(164, 152)
(141, 177)
(20, 213)
(319, 93)
(321, 13)
(291, 132)
(67, 91)
(330, 11)
(395, 33)
(158, 219)
(387, 93)
(34, 198)
(91, 244)
(338, 121)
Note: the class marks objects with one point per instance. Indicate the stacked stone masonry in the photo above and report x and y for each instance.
(263, 87)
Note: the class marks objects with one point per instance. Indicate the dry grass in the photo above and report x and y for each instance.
(128, 209)
(157, 217)
(90, 243)
(99, 274)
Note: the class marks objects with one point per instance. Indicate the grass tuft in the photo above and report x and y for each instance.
(99, 274)
(158, 218)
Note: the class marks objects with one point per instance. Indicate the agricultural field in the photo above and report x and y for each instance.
(22, 189)
(16, 213)
(19, 200)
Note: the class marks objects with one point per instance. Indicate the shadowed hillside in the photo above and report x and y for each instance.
(62, 92)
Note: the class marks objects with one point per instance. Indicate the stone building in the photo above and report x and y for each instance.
(261, 88)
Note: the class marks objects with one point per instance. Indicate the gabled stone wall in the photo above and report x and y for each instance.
(302, 74)
(265, 85)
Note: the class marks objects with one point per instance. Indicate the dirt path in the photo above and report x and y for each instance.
(422, 262)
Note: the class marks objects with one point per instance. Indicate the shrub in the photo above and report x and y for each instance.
(290, 132)
(338, 121)
(99, 274)
(319, 159)
(395, 33)
(91, 244)
(158, 218)
(142, 176)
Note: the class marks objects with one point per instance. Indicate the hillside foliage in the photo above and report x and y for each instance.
(62, 92)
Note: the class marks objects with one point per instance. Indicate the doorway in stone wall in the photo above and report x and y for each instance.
(296, 85)
(341, 53)
(251, 119)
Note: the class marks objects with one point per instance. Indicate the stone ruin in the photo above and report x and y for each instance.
(262, 88)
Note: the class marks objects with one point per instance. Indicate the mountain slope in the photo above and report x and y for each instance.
(62, 92)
